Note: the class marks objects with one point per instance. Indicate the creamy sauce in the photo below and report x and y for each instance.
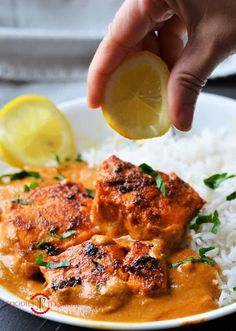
(193, 288)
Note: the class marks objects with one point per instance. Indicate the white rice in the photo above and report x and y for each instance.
(193, 159)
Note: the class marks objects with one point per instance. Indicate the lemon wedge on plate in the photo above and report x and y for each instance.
(33, 131)
(135, 97)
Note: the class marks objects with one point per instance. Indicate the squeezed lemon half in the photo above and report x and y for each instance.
(135, 97)
(33, 131)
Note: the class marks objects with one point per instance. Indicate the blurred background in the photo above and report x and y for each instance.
(46, 47)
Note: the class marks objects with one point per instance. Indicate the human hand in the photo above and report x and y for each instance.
(211, 30)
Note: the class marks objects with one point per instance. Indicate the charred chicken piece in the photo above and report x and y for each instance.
(146, 267)
(101, 267)
(93, 261)
(58, 214)
(94, 272)
(128, 201)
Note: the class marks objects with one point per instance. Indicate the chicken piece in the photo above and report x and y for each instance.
(128, 201)
(94, 276)
(75, 172)
(56, 209)
(101, 266)
(146, 267)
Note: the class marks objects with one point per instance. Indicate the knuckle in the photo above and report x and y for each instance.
(155, 11)
(191, 82)
(145, 10)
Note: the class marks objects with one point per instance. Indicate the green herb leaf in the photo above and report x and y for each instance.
(231, 196)
(79, 158)
(68, 234)
(202, 259)
(26, 188)
(57, 158)
(204, 250)
(206, 259)
(52, 265)
(146, 169)
(31, 186)
(214, 181)
(234, 288)
(39, 261)
(178, 263)
(201, 219)
(99, 288)
(59, 177)
(41, 244)
(216, 222)
(160, 184)
(64, 235)
(21, 175)
(90, 193)
(54, 235)
(21, 201)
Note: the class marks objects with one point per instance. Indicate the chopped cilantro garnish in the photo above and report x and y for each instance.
(231, 196)
(59, 176)
(57, 158)
(90, 193)
(202, 259)
(21, 175)
(204, 250)
(64, 235)
(146, 169)
(99, 288)
(68, 234)
(21, 201)
(214, 181)
(52, 265)
(31, 186)
(26, 188)
(175, 265)
(54, 235)
(200, 219)
(79, 158)
(41, 244)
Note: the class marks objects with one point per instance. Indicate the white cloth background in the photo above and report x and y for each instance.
(46, 45)
(51, 39)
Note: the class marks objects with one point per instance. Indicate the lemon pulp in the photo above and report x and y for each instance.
(33, 131)
(135, 97)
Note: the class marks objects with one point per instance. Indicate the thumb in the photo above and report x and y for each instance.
(187, 78)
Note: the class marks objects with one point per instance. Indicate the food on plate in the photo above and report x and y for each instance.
(38, 219)
(128, 201)
(135, 97)
(101, 264)
(103, 241)
(146, 267)
(95, 266)
(33, 131)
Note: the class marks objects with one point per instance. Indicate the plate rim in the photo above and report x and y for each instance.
(214, 97)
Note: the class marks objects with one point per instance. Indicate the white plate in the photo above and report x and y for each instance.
(213, 112)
